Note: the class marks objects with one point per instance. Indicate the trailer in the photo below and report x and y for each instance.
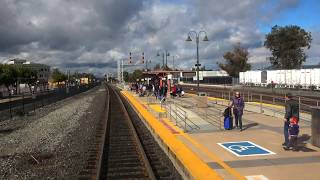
(305, 78)
(315, 79)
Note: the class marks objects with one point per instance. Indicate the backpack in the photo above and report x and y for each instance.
(227, 112)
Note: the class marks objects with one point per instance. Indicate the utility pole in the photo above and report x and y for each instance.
(162, 60)
(173, 63)
(119, 70)
(122, 80)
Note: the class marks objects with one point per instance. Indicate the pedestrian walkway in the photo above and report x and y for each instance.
(254, 152)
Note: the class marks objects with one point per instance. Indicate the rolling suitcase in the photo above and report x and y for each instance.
(228, 120)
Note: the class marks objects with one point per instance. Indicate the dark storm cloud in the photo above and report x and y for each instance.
(12, 32)
(66, 25)
(93, 35)
(99, 65)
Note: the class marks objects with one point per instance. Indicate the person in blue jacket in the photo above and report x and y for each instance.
(237, 103)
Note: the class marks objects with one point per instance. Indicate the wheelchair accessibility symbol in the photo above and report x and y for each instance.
(239, 148)
(245, 148)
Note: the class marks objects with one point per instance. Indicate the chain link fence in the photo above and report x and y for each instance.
(27, 103)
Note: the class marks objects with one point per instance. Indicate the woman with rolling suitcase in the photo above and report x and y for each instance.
(237, 103)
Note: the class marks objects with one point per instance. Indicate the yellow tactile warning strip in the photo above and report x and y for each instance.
(209, 97)
(157, 108)
(195, 166)
(257, 103)
(265, 104)
(214, 98)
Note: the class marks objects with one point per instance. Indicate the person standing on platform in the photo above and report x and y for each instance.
(237, 103)
(291, 114)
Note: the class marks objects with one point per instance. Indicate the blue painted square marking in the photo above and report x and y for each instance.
(245, 148)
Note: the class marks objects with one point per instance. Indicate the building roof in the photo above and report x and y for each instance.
(165, 72)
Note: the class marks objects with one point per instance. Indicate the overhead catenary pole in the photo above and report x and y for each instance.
(162, 60)
(119, 70)
(164, 53)
(173, 63)
(122, 80)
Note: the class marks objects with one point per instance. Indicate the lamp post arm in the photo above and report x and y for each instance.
(193, 33)
(202, 32)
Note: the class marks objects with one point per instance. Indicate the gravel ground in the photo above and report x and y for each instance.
(52, 142)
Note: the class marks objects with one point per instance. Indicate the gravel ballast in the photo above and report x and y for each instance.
(51, 143)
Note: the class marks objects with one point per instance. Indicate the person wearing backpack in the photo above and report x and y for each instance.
(237, 103)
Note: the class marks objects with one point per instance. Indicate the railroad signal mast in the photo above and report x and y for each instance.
(145, 61)
(130, 63)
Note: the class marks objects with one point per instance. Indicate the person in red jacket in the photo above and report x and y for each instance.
(174, 91)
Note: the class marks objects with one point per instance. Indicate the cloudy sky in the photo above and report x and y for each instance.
(91, 35)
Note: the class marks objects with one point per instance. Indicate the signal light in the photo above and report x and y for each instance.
(130, 59)
(142, 57)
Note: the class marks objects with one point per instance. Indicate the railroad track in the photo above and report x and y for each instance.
(124, 148)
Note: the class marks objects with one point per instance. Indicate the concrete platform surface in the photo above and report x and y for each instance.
(263, 130)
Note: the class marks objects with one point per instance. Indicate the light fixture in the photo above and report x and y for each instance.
(205, 38)
(189, 38)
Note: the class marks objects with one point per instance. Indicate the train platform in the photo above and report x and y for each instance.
(254, 153)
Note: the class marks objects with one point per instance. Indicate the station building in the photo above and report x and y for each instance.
(188, 76)
(43, 73)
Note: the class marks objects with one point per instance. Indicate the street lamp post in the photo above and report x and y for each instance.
(197, 35)
(164, 53)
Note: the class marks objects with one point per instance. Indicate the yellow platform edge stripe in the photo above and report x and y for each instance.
(195, 166)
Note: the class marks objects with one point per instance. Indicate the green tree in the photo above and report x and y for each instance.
(137, 74)
(8, 76)
(287, 46)
(236, 61)
(58, 76)
(126, 76)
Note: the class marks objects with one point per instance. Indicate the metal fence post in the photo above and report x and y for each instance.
(285, 99)
(23, 103)
(229, 95)
(185, 121)
(42, 96)
(261, 103)
(10, 106)
(176, 117)
(220, 120)
(273, 100)
(34, 106)
(299, 104)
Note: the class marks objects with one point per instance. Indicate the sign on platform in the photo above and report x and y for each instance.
(257, 177)
(245, 148)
